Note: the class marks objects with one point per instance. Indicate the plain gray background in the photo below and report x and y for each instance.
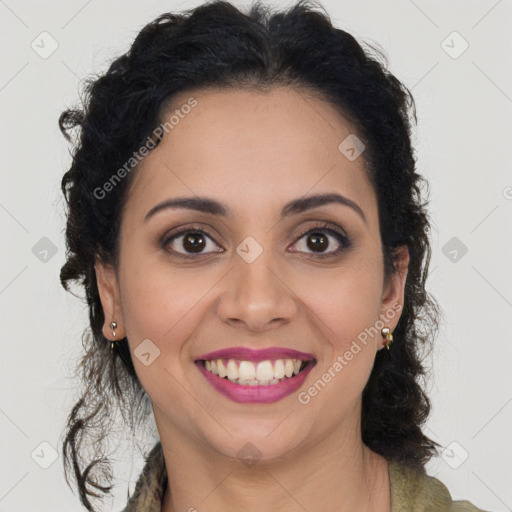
(464, 101)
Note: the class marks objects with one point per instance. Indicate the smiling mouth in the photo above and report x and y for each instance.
(251, 373)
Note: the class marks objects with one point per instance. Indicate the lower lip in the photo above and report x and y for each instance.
(255, 394)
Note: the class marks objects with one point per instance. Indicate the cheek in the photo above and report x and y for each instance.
(163, 308)
(347, 301)
(345, 307)
(158, 308)
(163, 304)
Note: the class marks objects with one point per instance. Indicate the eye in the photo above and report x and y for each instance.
(192, 241)
(319, 239)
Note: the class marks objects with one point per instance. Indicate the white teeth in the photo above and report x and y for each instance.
(221, 368)
(251, 373)
(232, 369)
(279, 369)
(248, 382)
(264, 371)
(288, 368)
(246, 371)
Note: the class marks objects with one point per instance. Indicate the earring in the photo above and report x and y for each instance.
(113, 326)
(388, 337)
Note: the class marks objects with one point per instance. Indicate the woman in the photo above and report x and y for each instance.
(246, 220)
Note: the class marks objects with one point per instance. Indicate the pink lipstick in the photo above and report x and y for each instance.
(280, 372)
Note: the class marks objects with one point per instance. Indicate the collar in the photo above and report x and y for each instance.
(412, 490)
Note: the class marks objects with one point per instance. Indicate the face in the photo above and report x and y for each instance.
(252, 272)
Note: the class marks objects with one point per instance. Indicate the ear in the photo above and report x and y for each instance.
(394, 290)
(108, 289)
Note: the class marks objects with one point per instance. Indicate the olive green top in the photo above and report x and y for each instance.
(411, 490)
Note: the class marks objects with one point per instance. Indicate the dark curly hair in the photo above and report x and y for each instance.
(217, 46)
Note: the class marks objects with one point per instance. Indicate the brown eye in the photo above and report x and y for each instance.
(190, 242)
(194, 242)
(320, 239)
(317, 241)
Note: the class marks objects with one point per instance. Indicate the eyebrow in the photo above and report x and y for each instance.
(214, 207)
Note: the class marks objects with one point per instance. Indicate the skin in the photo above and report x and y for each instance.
(255, 152)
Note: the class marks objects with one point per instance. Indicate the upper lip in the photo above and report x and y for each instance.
(251, 354)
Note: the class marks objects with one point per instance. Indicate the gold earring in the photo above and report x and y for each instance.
(113, 326)
(388, 337)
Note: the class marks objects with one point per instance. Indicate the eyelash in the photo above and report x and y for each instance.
(344, 241)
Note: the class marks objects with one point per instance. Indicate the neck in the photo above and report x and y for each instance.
(339, 474)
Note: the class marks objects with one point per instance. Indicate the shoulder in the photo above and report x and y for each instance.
(415, 491)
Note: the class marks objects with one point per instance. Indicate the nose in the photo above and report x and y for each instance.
(256, 295)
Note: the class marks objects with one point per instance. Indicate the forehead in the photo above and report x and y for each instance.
(249, 147)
